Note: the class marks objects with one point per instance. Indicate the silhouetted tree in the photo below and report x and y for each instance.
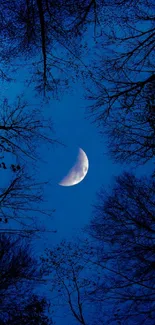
(19, 276)
(126, 49)
(123, 74)
(50, 29)
(22, 130)
(71, 281)
(22, 203)
(110, 275)
(131, 133)
(32, 312)
(124, 227)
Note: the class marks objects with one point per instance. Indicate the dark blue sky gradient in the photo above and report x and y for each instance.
(73, 204)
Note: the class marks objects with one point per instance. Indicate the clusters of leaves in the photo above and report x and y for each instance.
(19, 273)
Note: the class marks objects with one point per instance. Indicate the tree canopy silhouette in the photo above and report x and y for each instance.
(123, 77)
(123, 225)
(109, 277)
(22, 130)
(53, 30)
(71, 282)
(19, 276)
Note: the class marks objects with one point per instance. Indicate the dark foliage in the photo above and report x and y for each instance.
(124, 227)
(19, 275)
(53, 30)
(123, 80)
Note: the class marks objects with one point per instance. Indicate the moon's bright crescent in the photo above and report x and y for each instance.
(78, 172)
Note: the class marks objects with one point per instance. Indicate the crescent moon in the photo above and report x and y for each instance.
(78, 172)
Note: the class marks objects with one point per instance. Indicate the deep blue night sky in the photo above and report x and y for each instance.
(73, 205)
(74, 130)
